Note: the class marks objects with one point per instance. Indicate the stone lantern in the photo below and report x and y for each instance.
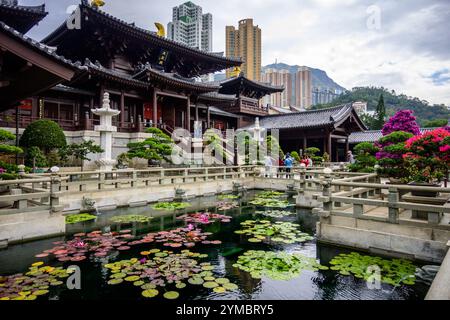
(106, 129)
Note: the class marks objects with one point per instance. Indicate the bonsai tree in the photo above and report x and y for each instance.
(214, 144)
(390, 156)
(156, 148)
(428, 156)
(365, 158)
(80, 151)
(312, 153)
(295, 155)
(6, 170)
(396, 132)
(35, 158)
(5, 148)
(273, 144)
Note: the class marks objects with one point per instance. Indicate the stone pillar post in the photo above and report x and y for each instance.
(393, 199)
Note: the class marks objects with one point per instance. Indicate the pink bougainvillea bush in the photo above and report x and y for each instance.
(428, 155)
(403, 120)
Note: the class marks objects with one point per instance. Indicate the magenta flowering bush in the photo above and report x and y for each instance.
(428, 156)
(403, 120)
(401, 127)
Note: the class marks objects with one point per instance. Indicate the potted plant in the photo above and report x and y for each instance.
(428, 158)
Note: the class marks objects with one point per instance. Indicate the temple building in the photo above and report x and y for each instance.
(326, 129)
(151, 81)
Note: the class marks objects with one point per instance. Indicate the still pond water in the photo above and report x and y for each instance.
(310, 285)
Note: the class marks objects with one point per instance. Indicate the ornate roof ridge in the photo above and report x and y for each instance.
(39, 9)
(37, 45)
(133, 26)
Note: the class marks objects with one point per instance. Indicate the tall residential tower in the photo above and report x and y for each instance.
(245, 43)
(303, 88)
(278, 78)
(191, 27)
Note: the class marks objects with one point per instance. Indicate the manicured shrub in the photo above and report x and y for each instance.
(44, 134)
(365, 158)
(312, 153)
(295, 155)
(390, 156)
(5, 148)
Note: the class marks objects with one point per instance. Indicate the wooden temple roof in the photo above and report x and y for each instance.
(158, 78)
(28, 67)
(103, 36)
(374, 135)
(323, 118)
(242, 86)
(22, 18)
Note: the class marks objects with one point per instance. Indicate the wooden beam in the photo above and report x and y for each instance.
(36, 58)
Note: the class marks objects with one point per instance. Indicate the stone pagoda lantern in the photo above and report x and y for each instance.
(106, 129)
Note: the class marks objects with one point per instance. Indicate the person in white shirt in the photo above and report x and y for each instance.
(268, 164)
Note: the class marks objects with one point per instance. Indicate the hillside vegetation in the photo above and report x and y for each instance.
(422, 109)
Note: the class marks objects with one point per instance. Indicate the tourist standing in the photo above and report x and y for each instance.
(268, 164)
(350, 158)
(288, 163)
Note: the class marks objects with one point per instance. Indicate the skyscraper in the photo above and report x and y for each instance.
(303, 88)
(191, 27)
(245, 43)
(278, 78)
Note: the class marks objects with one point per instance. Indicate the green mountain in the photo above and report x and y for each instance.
(393, 101)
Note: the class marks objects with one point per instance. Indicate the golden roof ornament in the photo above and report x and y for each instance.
(161, 31)
(97, 3)
(236, 72)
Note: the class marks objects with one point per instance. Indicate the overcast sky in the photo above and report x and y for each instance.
(399, 44)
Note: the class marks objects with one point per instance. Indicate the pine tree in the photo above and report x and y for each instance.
(380, 114)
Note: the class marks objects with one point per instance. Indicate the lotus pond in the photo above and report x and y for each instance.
(225, 247)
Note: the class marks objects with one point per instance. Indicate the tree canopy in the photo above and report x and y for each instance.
(158, 147)
(44, 134)
(394, 102)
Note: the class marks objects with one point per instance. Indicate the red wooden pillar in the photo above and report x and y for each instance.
(155, 108)
(122, 109)
(188, 114)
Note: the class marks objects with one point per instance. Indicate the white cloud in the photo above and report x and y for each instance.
(332, 35)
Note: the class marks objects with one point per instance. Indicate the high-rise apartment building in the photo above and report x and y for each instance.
(323, 95)
(191, 27)
(245, 43)
(303, 88)
(278, 78)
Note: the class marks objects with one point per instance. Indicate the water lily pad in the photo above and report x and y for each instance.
(132, 278)
(219, 290)
(196, 281)
(210, 284)
(230, 286)
(150, 293)
(171, 295)
(275, 265)
(180, 285)
(222, 280)
(115, 281)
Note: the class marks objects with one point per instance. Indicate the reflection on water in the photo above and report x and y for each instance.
(328, 285)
